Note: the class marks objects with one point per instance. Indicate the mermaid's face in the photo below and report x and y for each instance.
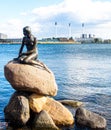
(26, 31)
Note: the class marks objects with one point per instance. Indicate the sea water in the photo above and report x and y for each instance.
(82, 72)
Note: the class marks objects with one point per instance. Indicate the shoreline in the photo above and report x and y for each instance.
(50, 42)
(39, 42)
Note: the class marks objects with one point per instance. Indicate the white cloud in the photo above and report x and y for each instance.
(88, 11)
(35, 27)
(103, 29)
(48, 12)
(97, 13)
(82, 10)
(14, 22)
(12, 28)
(23, 13)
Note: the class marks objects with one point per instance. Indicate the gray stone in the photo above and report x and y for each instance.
(43, 121)
(87, 118)
(71, 103)
(17, 111)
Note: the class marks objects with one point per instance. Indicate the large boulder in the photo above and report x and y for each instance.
(17, 112)
(24, 77)
(90, 119)
(59, 113)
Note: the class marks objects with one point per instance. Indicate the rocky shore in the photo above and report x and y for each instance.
(33, 104)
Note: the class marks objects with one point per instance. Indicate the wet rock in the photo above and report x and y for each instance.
(87, 118)
(59, 113)
(71, 103)
(43, 121)
(17, 111)
(29, 78)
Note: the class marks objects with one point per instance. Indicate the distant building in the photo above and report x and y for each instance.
(63, 39)
(11, 40)
(49, 40)
(84, 36)
(3, 36)
(58, 39)
(88, 38)
(107, 41)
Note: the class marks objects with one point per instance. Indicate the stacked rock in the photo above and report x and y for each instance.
(32, 103)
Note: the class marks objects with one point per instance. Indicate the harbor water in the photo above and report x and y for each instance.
(82, 72)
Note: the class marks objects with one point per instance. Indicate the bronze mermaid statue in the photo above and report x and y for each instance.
(31, 55)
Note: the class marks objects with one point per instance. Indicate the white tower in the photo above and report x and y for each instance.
(55, 29)
(69, 30)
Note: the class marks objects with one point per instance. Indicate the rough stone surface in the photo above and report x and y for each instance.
(60, 114)
(38, 101)
(25, 77)
(17, 111)
(86, 118)
(71, 103)
(44, 121)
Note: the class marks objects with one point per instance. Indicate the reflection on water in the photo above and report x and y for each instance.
(82, 72)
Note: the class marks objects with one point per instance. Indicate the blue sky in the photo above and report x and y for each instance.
(41, 16)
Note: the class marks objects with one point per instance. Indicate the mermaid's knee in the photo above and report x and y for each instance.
(26, 61)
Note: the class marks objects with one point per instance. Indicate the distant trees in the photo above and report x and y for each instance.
(98, 40)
